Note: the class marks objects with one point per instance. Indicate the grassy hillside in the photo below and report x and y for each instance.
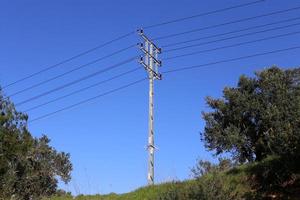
(145, 193)
(269, 179)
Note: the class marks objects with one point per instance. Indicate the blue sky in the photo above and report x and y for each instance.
(107, 137)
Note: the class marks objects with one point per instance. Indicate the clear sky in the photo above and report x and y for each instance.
(107, 137)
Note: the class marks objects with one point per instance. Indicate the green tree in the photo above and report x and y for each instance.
(204, 167)
(29, 167)
(259, 117)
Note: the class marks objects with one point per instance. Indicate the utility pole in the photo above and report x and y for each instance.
(150, 62)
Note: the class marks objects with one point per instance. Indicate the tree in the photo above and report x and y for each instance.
(29, 166)
(204, 167)
(259, 117)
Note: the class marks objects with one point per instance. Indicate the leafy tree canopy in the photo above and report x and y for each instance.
(257, 118)
(29, 166)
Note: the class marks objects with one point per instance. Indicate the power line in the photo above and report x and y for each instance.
(233, 45)
(77, 81)
(69, 59)
(229, 38)
(166, 72)
(230, 32)
(89, 99)
(82, 89)
(226, 23)
(71, 71)
(230, 60)
(204, 14)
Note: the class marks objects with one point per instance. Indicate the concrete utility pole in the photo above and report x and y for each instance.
(151, 63)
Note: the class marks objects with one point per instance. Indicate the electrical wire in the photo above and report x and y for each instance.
(226, 23)
(131, 59)
(203, 14)
(70, 71)
(230, 32)
(232, 37)
(230, 46)
(77, 81)
(89, 99)
(69, 59)
(230, 60)
(82, 89)
(166, 72)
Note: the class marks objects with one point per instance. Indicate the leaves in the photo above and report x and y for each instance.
(29, 166)
(259, 117)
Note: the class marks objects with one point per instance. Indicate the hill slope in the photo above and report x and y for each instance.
(272, 178)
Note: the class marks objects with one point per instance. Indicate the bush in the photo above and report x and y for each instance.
(29, 167)
(275, 176)
(179, 191)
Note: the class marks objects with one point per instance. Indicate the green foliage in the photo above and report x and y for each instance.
(211, 183)
(29, 166)
(277, 176)
(220, 187)
(259, 117)
(204, 167)
(180, 191)
(233, 183)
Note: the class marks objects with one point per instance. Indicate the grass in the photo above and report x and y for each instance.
(144, 193)
(236, 183)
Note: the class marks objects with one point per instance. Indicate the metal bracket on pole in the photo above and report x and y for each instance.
(145, 38)
(150, 51)
(151, 63)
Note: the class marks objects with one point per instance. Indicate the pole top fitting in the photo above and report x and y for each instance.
(159, 77)
(140, 31)
(141, 59)
(158, 50)
(140, 45)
